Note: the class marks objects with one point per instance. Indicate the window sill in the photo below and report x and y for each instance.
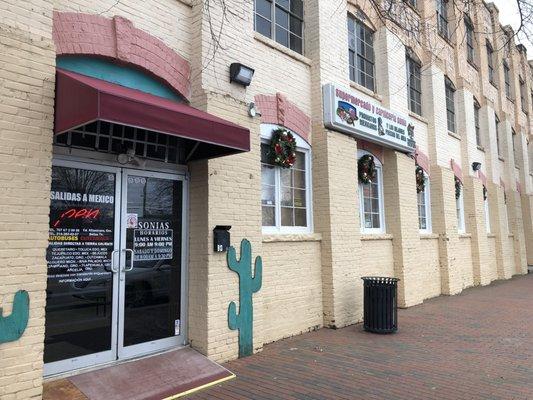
(473, 65)
(376, 236)
(510, 99)
(446, 39)
(366, 91)
(511, 235)
(517, 167)
(501, 158)
(296, 237)
(494, 84)
(285, 50)
(418, 117)
(481, 148)
(426, 236)
(465, 235)
(454, 135)
(491, 235)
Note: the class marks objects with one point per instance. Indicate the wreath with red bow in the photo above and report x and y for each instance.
(283, 148)
(458, 187)
(420, 179)
(367, 169)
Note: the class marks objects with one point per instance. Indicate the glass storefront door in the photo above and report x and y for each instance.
(115, 265)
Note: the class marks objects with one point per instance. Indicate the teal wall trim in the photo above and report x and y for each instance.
(244, 320)
(13, 326)
(122, 75)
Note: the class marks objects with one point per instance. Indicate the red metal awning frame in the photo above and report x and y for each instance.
(81, 100)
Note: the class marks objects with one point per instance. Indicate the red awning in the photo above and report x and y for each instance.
(81, 100)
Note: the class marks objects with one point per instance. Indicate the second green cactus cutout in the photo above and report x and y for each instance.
(13, 326)
(248, 285)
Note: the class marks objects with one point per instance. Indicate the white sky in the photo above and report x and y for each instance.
(509, 16)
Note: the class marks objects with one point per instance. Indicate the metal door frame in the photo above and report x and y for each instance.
(90, 360)
(140, 349)
(118, 352)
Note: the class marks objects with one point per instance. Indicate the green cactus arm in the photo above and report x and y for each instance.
(13, 326)
(233, 317)
(232, 259)
(257, 280)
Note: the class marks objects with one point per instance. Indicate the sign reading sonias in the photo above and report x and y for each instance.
(346, 111)
(153, 243)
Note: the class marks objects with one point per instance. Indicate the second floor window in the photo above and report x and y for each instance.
(497, 122)
(513, 138)
(442, 18)
(450, 104)
(414, 86)
(281, 20)
(470, 49)
(507, 77)
(523, 95)
(361, 53)
(490, 61)
(477, 107)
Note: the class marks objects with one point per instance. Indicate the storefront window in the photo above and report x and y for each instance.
(371, 208)
(424, 208)
(285, 192)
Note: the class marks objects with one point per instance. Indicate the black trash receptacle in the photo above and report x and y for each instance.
(380, 308)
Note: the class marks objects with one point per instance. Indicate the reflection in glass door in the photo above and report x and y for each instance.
(115, 265)
(151, 267)
(83, 237)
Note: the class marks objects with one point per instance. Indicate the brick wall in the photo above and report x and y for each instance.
(26, 109)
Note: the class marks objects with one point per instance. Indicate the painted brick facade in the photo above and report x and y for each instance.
(310, 280)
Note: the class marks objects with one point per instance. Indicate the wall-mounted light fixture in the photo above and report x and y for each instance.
(240, 74)
(252, 110)
(476, 166)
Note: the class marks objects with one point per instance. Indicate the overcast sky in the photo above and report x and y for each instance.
(509, 16)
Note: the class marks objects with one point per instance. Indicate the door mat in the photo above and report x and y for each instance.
(165, 376)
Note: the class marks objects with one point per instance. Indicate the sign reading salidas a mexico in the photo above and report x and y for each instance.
(347, 112)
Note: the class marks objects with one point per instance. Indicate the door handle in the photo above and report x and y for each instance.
(131, 260)
(113, 269)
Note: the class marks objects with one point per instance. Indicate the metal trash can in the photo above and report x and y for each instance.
(380, 304)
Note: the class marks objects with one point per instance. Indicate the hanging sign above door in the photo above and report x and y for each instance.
(348, 112)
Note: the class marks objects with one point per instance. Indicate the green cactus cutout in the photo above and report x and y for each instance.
(244, 321)
(13, 326)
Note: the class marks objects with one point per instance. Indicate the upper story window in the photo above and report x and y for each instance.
(470, 49)
(450, 104)
(442, 18)
(371, 209)
(490, 61)
(523, 95)
(285, 192)
(414, 86)
(497, 123)
(282, 21)
(477, 107)
(507, 77)
(513, 139)
(424, 207)
(361, 53)
(412, 3)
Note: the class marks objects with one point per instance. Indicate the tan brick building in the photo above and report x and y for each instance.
(112, 181)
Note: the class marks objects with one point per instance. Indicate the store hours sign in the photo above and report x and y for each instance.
(347, 112)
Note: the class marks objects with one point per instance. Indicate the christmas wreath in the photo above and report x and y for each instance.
(420, 179)
(283, 148)
(458, 185)
(367, 169)
(484, 192)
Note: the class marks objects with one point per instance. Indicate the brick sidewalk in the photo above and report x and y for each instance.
(477, 345)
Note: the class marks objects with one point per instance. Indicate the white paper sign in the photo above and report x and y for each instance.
(131, 221)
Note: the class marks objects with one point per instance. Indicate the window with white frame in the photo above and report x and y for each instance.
(361, 53)
(285, 192)
(282, 21)
(490, 61)
(371, 209)
(507, 80)
(460, 209)
(442, 18)
(414, 85)
(477, 107)
(450, 103)
(424, 207)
